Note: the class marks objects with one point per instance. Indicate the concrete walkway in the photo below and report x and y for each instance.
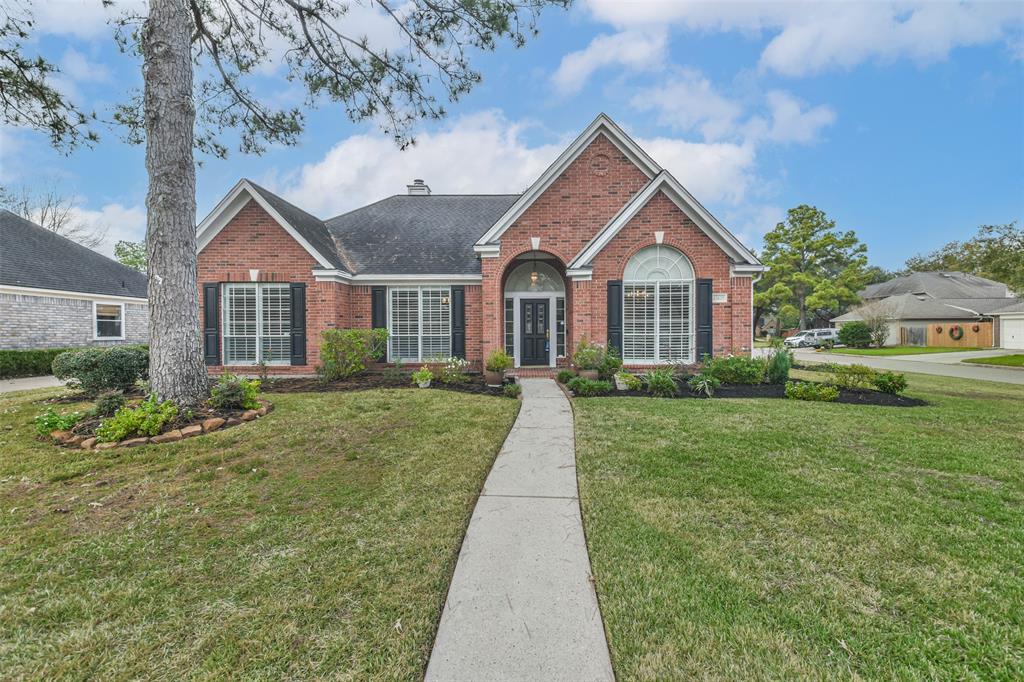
(521, 605)
(28, 383)
(922, 364)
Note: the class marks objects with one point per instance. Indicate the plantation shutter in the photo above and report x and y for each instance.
(298, 326)
(379, 307)
(211, 319)
(704, 307)
(459, 322)
(615, 314)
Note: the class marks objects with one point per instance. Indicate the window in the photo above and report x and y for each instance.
(510, 328)
(257, 324)
(109, 320)
(657, 307)
(420, 324)
(560, 326)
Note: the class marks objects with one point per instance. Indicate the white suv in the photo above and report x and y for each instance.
(812, 337)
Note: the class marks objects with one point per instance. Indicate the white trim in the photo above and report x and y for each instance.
(62, 293)
(666, 183)
(259, 323)
(488, 250)
(365, 279)
(746, 270)
(517, 298)
(419, 319)
(240, 195)
(579, 274)
(691, 346)
(600, 125)
(96, 323)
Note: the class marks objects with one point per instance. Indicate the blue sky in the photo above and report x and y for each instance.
(903, 121)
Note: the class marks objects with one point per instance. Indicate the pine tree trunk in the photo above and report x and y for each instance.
(176, 366)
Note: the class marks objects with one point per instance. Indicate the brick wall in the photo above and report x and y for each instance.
(31, 321)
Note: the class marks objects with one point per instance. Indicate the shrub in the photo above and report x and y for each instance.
(50, 421)
(890, 382)
(632, 382)
(809, 390)
(586, 388)
(852, 376)
(661, 383)
(511, 390)
(588, 355)
(94, 370)
(736, 369)
(454, 371)
(422, 375)
(108, 403)
(703, 383)
(28, 363)
(610, 364)
(235, 393)
(778, 366)
(565, 376)
(148, 419)
(498, 361)
(855, 335)
(345, 353)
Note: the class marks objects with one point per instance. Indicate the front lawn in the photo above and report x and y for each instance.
(768, 539)
(1016, 360)
(317, 542)
(900, 350)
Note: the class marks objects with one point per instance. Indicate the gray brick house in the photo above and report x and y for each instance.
(55, 293)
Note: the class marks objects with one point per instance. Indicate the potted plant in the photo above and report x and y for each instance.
(422, 377)
(494, 368)
(588, 358)
(624, 381)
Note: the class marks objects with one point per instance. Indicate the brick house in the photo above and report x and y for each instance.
(55, 293)
(605, 245)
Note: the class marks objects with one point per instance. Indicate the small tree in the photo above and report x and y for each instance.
(855, 335)
(876, 317)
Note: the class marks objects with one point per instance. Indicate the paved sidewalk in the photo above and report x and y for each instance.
(521, 605)
(28, 383)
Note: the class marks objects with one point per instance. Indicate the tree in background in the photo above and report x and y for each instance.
(56, 213)
(814, 271)
(181, 109)
(132, 254)
(996, 252)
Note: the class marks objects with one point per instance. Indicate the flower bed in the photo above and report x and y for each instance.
(853, 396)
(474, 383)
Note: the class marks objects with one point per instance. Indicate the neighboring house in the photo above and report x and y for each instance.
(605, 245)
(1010, 326)
(55, 293)
(932, 308)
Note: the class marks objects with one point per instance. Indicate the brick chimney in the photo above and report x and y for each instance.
(418, 188)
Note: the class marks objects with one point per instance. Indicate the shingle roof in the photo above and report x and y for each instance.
(309, 226)
(32, 256)
(418, 234)
(912, 307)
(937, 285)
(1017, 307)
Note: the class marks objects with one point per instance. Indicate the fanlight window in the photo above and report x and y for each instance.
(534, 276)
(657, 308)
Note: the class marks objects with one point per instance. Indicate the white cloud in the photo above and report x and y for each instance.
(642, 50)
(78, 66)
(120, 222)
(789, 121)
(85, 19)
(713, 172)
(813, 37)
(686, 100)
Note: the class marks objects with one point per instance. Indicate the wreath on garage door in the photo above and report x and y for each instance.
(956, 332)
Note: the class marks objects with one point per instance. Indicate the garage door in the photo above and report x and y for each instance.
(1013, 334)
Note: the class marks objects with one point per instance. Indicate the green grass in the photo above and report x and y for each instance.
(769, 539)
(761, 343)
(900, 350)
(317, 542)
(1016, 360)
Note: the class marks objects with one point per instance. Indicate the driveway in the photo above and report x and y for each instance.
(28, 383)
(940, 364)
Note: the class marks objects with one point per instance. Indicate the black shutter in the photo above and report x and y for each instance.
(298, 345)
(211, 318)
(379, 307)
(704, 307)
(615, 314)
(459, 322)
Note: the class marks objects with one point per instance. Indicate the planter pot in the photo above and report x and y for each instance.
(425, 384)
(588, 374)
(620, 385)
(494, 379)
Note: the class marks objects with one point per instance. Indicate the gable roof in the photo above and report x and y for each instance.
(665, 182)
(1017, 307)
(418, 234)
(920, 307)
(602, 125)
(308, 230)
(937, 285)
(32, 256)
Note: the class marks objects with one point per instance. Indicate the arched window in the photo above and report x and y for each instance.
(657, 307)
(534, 278)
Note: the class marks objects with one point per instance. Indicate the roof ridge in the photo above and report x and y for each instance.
(280, 198)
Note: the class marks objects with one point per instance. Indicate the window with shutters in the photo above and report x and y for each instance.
(419, 324)
(657, 307)
(256, 323)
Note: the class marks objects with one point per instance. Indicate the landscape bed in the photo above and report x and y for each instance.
(851, 396)
(473, 384)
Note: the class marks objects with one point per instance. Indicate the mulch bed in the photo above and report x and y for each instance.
(846, 395)
(369, 381)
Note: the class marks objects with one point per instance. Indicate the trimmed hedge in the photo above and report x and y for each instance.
(94, 370)
(28, 363)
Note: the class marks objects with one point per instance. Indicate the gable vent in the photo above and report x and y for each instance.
(418, 188)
